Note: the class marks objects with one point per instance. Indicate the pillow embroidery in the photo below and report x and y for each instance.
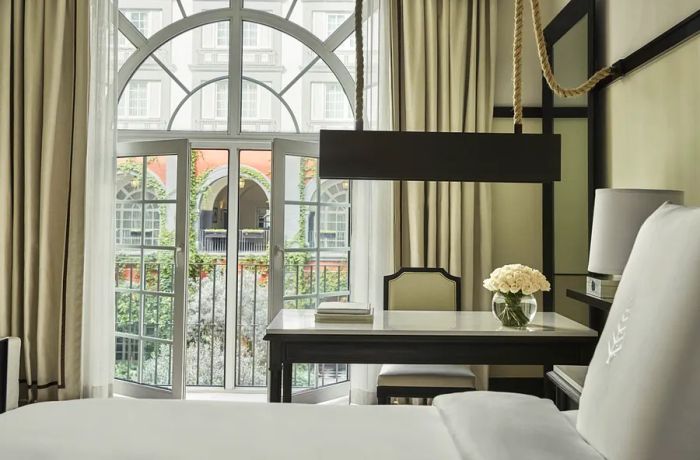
(618, 335)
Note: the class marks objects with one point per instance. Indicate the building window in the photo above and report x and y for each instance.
(138, 99)
(250, 35)
(140, 20)
(146, 21)
(222, 34)
(335, 220)
(221, 99)
(335, 104)
(333, 21)
(249, 100)
(129, 219)
(325, 23)
(135, 101)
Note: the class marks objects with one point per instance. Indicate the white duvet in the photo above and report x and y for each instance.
(462, 426)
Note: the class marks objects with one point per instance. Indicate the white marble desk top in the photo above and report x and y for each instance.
(460, 323)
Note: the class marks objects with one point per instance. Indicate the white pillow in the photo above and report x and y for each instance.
(641, 399)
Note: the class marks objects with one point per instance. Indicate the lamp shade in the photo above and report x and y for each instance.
(617, 216)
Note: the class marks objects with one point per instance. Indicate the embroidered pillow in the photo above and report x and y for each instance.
(641, 398)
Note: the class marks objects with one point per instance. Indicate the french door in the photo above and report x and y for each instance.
(310, 252)
(151, 226)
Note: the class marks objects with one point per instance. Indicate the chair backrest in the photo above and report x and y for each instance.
(422, 289)
(641, 398)
(9, 373)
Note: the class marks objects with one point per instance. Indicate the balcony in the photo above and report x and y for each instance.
(206, 325)
(250, 241)
(206, 336)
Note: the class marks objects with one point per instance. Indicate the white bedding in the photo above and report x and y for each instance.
(467, 426)
(210, 430)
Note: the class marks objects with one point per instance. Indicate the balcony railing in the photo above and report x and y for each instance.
(206, 318)
(250, 241)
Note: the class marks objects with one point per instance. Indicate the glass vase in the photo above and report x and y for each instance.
(514, 310)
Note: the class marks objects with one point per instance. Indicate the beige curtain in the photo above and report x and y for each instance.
(447, 55)
(43, 95)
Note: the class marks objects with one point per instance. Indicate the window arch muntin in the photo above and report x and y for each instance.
(324, 50)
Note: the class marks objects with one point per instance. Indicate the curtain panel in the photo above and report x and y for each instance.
(43, 122)
(447, 55)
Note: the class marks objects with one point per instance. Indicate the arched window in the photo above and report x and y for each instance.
(236, 66)
(335, 214)
(129, 220)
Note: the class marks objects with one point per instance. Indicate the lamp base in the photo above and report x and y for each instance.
(603, 288)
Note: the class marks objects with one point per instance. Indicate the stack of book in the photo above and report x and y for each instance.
(344, 312)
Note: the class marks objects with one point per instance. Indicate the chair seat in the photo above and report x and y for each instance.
(426, 375)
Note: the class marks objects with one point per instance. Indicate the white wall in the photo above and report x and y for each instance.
(626, 25)
(651, 115)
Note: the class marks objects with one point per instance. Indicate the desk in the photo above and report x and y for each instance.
(420, 337)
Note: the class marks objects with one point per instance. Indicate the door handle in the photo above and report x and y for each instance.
(278, 256)
(179, 254)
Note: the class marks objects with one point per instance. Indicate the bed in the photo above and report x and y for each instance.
(455, 427)
(623, 414)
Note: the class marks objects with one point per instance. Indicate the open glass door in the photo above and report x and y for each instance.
(151, 267)
(310, 249)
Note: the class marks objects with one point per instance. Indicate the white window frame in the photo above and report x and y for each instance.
(236, 14)
(234, 138)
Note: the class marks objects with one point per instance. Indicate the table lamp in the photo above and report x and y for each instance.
(617, 216)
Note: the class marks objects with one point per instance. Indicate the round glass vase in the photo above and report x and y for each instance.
(514, 310)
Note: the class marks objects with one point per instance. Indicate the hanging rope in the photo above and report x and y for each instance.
(517, 63)
(547, 71)
(360, 68)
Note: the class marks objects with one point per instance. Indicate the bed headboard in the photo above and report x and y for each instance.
(9, 373)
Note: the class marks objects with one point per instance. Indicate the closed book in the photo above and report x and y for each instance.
(344, 318)
(346, 308)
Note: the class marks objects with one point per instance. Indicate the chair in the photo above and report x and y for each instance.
(430, 289)
(9, 373)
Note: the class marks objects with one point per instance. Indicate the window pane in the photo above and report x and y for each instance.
(321, 18)
(146, 101)
(125, 49)
(334, 277)
(300, 226)
(313, 98)
(150, 17)
(196, 62)
(301, 178)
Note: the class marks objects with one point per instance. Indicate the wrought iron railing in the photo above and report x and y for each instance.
(206, 319)
(206, 324)
(250, 241)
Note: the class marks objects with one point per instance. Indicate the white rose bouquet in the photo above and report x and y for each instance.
(513, 286)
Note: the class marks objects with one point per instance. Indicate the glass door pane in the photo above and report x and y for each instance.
(150, 229)
(254, 193)
(207, 280)
(310, 246)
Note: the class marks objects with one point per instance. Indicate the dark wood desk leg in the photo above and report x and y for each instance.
(274, 382)
(596, 319)
(287, 382)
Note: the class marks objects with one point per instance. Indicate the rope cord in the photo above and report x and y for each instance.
(360, 68)
(545, 65)
(517, 63)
